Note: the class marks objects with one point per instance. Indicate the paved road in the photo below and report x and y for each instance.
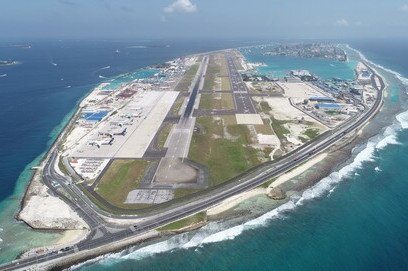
(242, 99)
(248, 182)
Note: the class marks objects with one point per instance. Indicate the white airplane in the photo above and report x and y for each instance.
(99, 143)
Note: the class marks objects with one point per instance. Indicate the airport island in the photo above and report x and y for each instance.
(146, 157)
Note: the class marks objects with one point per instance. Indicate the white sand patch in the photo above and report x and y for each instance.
(295, 172)
(248, 119)
(293, 140)
(300, 90)
(234, 201)
(49, 212)
(268, 140)
(283, 110)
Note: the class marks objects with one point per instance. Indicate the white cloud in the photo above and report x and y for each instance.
(181, 6)
(342, 22)
(359, 23)
(404, 7)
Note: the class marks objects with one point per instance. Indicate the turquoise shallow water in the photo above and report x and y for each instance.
(279, 66)
(355, 219)
(117, 81)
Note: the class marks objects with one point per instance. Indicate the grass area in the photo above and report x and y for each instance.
(279, 128)
(188, 78)
(265, 107)
(303, 139)
(218, 101)
(311, 133)
(191, 220)
(164, 133)
(62, 167)
(121, 177)
(182, 192)
(268, 183)
(332, 112)
(212, 70)
(224, 158)
(177, 105)
(224, 66)
(265, 128)
(226, 101)
(206, 101)
(225, 83)
(240, 131)
(229, 120)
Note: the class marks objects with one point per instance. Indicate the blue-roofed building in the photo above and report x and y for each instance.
(94, 116)
(365, 73)
(328, 106)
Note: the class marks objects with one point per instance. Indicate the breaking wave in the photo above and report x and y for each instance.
(137, 47)
(396, 74)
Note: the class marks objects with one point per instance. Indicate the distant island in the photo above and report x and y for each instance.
(314, 50)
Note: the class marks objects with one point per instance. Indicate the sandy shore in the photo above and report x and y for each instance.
(235, 200)
(297, 171)
(68, 238)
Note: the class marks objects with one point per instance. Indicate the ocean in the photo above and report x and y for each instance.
(354, 219)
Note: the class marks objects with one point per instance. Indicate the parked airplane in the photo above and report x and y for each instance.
(123, 133)
(99, 143)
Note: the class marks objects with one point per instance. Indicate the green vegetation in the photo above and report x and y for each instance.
(268, 183)
(279, 128)
(164, 133)
(62, 167)
(265, 128)
(188, 78)
(265, 108)
(182, 192)
(206, 101)
(332, 112)
(217, 101)
(177, 105)
(225, 83)
(194, 219)
(311, 133)
(225, 158)
(303, 139)
(224, 71)
(212, 70)
(229, 120)
(121, 177)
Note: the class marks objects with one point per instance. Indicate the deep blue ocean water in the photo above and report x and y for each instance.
(356, 219)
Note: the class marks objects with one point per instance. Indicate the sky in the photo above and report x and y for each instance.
(130, 19)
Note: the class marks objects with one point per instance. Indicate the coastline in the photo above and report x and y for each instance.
(282, 180)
